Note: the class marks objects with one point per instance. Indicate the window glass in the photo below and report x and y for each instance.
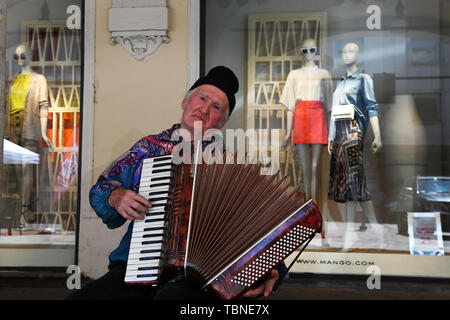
(362, 92)
(41, 133)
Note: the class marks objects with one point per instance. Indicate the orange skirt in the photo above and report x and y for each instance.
(310, 125)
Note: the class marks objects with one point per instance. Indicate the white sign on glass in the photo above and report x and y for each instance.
(425, 233)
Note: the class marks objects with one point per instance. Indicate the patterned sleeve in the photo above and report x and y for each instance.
(118, 175)
(369, 96)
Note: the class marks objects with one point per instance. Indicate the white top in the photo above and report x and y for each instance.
(307, 84)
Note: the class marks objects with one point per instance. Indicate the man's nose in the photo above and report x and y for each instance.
(204, 107)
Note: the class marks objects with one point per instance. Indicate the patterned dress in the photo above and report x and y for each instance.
(347, 178)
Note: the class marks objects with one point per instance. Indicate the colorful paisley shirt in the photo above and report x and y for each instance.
(125, 172)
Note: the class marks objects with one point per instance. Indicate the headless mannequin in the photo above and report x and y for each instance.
(23, 55)
(350, 57)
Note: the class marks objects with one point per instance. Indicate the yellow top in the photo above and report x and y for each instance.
(18, 93)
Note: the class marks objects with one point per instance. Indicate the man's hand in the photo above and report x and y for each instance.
(127, 203)
(266, 287)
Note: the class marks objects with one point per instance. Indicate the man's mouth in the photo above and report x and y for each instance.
(201, 118)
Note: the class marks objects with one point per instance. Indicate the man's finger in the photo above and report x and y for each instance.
(139, 207)
(137, 197)
(255, 292)
(270, 283)
(266, 287)
(132, 214)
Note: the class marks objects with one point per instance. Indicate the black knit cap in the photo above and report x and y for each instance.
(224, 79)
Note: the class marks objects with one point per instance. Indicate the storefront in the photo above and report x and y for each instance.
(398, 224)
(286, 52)
(39, 203)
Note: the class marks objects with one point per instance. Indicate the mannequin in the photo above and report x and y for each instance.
(307, 95)
(347, 179)
(27, 110)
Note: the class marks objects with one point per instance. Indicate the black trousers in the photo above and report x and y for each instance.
(112, 287)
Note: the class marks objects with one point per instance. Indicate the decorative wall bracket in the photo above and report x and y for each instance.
(139, 26)
(139, 46)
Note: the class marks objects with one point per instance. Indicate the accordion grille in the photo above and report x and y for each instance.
(233, 207)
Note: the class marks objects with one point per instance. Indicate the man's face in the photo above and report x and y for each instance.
(208, 105)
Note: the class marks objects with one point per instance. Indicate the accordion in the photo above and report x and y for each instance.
(224, 226)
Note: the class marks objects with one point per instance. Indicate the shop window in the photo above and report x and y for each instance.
(39, 200)
(401, 64)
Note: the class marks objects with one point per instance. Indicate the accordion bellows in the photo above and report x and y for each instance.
(227, 226)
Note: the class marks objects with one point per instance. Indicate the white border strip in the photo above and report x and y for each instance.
(198, 155)
(88, 97)
(193, 41)
(87, 111)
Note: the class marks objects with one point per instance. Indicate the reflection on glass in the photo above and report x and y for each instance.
(38, 204)
(407, 58)
(433, 185)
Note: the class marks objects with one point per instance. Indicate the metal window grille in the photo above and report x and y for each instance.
(57, 55)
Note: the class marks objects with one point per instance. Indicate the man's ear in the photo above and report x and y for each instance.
(183, 104)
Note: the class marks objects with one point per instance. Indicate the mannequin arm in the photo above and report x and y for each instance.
(377, 144)
(290, 117)
(331, 135)
(44, 132)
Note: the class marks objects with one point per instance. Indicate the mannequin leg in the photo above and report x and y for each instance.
(315, 177)
(305, 159)
(316, 151)
(349, 228)
(27, 183)
(363, 226)
(369, 212)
